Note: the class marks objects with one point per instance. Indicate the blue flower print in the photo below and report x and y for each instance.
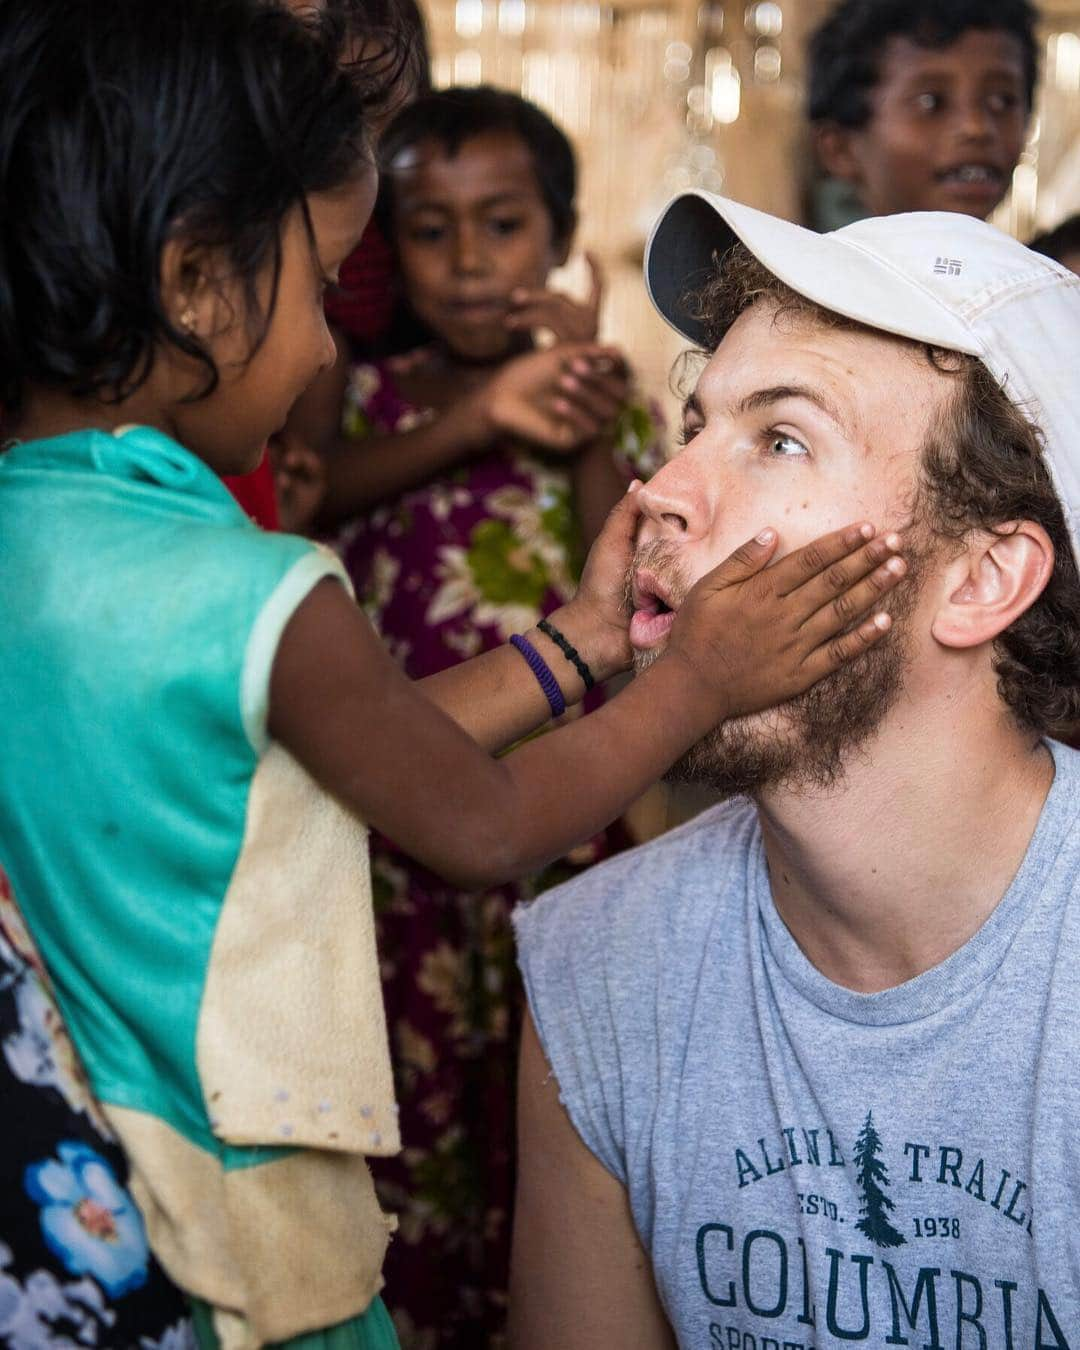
(88, 1220)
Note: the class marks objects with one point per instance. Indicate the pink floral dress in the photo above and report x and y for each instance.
(446, 571)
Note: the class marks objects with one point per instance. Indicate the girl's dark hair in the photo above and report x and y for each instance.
(125, 124)
(845, 52)
(403, 21)
(453, 116)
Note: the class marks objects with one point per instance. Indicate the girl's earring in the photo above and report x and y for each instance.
(187, 320)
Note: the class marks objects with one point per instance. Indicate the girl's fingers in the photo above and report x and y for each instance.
(812, 559)
(839, 577)
(840, 650)
(748, 559)
(842, 611)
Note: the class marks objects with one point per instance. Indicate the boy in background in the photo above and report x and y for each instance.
(922, 105)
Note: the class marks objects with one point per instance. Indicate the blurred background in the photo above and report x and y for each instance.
(661, 95)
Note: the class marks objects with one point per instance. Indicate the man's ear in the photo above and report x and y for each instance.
(833, 145)
(996, 578)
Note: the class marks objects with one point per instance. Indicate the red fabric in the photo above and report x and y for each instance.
(363, 303)
(255, 493)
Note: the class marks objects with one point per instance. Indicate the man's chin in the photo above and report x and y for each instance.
(746, 756)
(802, 745)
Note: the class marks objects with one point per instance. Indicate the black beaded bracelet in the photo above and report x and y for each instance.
(569, 651)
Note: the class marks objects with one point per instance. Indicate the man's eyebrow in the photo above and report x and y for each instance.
(765, 398)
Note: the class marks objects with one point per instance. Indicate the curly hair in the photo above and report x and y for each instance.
(845, 51)
(982, 468)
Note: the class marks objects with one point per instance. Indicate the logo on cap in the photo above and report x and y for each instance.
(948, 267)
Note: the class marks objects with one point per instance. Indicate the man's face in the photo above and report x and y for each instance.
(946, 129)
(805, 428)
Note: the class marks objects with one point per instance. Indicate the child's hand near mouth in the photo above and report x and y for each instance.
(568, 319)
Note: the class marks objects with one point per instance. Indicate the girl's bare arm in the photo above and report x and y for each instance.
(340, 705)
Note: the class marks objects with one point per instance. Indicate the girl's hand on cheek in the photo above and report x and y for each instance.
(761, 635)
(570, 320)
(597, 620)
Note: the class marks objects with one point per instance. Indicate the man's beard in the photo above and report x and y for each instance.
(806, 742)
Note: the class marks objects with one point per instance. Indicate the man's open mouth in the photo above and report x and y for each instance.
(654, 610)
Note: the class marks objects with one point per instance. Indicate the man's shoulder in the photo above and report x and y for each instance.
(669, 884)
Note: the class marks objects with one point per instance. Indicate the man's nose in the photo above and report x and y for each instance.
(673, 501)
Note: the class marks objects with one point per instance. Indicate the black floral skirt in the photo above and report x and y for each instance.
(75, 1268)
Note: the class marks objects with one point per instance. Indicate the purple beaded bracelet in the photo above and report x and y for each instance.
(540, 668)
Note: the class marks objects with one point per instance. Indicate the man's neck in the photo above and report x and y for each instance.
(890, 873)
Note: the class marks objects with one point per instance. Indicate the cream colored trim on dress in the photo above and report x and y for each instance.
(285, 1247)
(291, 1044)
(266, 633)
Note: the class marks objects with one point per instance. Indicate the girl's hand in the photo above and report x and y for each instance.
(558, 399)
(299, 481)
(597, 620)
(569, 319)
(760, 637)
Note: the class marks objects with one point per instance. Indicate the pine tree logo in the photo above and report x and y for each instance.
(872, 1177)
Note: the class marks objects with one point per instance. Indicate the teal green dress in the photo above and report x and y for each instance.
(199, 903)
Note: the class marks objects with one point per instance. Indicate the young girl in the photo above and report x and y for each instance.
(197, 717)
(473, 529)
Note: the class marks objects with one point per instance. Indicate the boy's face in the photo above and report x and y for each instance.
(946, 128)
(469, 230)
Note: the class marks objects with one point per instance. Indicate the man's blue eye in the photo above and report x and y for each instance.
(928, 102)
(787, 447)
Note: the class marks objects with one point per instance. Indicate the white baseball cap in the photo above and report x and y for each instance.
(936, 277)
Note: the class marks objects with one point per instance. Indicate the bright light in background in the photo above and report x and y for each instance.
(468, 68)
(765, 19)
(1064, 52)
(677, 60)
(469, 18)
(512, 15)
(585, 18)
(767, 65)
(723, 85)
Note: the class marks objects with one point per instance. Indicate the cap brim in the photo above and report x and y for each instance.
(697, 229)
